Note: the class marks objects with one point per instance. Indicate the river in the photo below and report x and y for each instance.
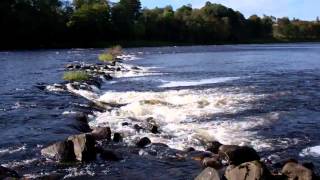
(264, 96)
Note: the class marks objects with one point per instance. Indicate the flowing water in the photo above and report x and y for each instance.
(265, 96)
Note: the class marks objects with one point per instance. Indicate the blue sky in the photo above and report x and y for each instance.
(302, 9)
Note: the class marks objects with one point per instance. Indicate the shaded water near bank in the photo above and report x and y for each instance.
(265, 96)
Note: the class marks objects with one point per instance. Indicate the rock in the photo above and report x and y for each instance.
(154, 129)
(309, 165)
(101, 133)
(84, 147)
(107, 77)
(238, 154)
(109, 155)
(135, 68)
(208, 174)
(189, 149)
(248, 171)
(213, 147)
(213, 162)
(117, 137)
(125, 124)
(82, 123)
(295, 171)
(8, 173)
(143, 142)
(137, 127)
(60, 151)
(152, 125)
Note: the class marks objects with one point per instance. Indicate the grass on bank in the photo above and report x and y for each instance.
(111, 54)
(76, 76)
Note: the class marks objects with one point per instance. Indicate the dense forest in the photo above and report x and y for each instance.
(88, 23)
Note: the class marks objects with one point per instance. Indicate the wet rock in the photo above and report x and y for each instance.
(8, 173)
(254, 170)
(295, 171)
(208, 174)
(135, 68)
(107, 77)
(213, 162)
(109, 155)
(125, 124)
(117, 137)
(189, 149)
(143, 142)
(152, 125)
(238, 154)
(82, 123)
(101, 133)
(213, 147)
(199, 155)
(94, 82)
(60, 151)
(154, 129)
(137, 127)
(84, 147)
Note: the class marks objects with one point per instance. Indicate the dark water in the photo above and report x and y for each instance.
(286, 76)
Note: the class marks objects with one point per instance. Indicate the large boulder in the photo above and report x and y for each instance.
(208, 174)
(238, 154)
(101, 133)
(248, 171)
(60, 151)
(84, 147)
(295, 171)
(8, 173)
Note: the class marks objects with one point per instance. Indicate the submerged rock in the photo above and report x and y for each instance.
(295, 171)
(84, 147)
(254, 170)
(60, 151)
(238, 154)
(109, 155)
(143, 142)
(8, 173)
(101, 133)
(208, 174)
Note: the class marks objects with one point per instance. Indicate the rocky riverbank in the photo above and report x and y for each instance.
(217, 161)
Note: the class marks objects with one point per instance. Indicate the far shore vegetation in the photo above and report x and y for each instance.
(100, 23)
(76, 76)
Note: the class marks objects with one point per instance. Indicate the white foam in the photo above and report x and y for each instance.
(128, 57)
(12, 150)
(311, 151)
(84, 93)
(185, 117)
(54, 88)
(200, 82)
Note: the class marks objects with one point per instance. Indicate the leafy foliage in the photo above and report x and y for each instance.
(42, 23)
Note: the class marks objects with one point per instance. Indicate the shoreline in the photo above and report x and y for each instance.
(142, 44)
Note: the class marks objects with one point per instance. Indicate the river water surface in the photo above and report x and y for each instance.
(265, 96)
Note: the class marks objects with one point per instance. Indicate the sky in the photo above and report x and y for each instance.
(301, 9)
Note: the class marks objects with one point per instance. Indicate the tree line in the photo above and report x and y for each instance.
(57, 23)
